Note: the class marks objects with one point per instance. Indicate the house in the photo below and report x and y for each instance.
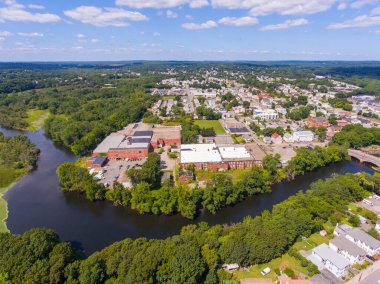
(276, 138)
(318, 122)
(303, 136)
(324, 257)
(265, 114)
(364, 241)
(342, 229)
(349, 250)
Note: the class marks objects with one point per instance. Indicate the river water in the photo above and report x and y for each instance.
(37, 201)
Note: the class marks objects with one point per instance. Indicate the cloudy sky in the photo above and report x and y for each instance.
(45, 30)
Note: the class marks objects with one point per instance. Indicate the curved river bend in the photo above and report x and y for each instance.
(37, 201)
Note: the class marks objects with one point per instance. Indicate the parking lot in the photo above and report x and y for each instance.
(375, 205)
(115, 170)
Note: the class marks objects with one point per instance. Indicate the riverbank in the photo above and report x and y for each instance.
(8, 177)
(4, 209)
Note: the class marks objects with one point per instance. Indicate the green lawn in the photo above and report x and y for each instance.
(286, 261)
(218, 128)
(166, 98)
(236, 174)
(311, 242)
(36, 119)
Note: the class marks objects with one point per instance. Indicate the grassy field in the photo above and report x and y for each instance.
(166, 98)
(7, 177)
(286, 261)
(211, 123)
(36, 119)
(311, 242)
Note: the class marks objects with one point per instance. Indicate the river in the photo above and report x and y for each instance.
(37, 201)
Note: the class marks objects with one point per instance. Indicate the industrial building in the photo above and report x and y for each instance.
(213, 157)
(136, 141)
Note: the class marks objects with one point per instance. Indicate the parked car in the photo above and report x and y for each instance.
(265, 271)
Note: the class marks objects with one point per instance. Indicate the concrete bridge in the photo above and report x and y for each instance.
(363, 157)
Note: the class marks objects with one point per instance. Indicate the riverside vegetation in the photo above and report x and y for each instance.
(17, 157)
(193, 256)
(148, 195)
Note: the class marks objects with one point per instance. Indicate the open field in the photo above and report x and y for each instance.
(166, 98)
(286, 261)
(311, 242)
(218, 128)
(36, 119)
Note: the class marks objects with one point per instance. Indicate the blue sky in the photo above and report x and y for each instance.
(54, 30)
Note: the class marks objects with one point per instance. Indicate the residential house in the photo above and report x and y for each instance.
(303, 136)
(364, 241)
(349, 250)
(324, 257)
(276, 138)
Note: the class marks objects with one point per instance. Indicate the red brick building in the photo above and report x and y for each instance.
(318, 122)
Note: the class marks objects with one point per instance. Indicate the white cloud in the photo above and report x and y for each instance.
(16, 13)
(283, 7)
(104, 17)
(156, 34)
(362, 21)
(160, 4)
(201, 26)
(170, 14)
(35, 6)
(33, 34)
(94, 40)
(189, 17)
(360, 3)
(238, 22)
(286, 25)
(80, 36)
(4, 34)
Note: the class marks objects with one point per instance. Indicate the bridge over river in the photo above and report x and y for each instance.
(364, 157)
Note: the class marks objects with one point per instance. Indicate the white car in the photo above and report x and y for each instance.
(265, 271)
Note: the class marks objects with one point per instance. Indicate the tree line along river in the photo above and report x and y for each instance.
(37, 201)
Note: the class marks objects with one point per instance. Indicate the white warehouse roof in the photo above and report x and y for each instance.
(200, 153)
(234, 152)
(112, 141)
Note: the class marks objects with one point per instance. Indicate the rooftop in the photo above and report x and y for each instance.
(111, 141)
(364, 237)
(343, 244)
(200, 153)
(327, 253)
(234, 152)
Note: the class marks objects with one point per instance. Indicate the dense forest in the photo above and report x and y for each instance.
(193, 256)
(149, 196)
(357, 136)
(17, 156)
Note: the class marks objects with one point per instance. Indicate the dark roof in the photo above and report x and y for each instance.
(143, 133)
(238, 129)
(140, 140)
(99, 160)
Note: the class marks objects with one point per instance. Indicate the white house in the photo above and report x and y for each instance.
(349, 250)
(377, 227)
(342, 229)
(303, 136)
(324, 257)
(265, 114)
(364, 241)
